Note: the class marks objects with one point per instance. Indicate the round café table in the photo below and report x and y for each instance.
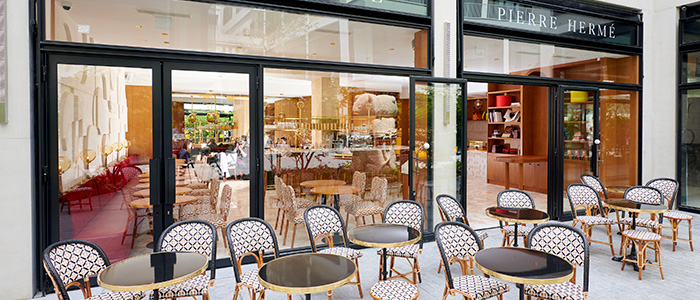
(515, 216)
(384, 236)
(523, 266)
(146, 202)
(147, 193)
(307, 273)
(335, 191)
(143, 186)
(324, 182)
(144, 175)
(633, 208)
(152, 271)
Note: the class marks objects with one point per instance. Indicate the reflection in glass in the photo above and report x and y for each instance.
(197, 26)
(418, 7)
(618, 152)
(690, 71)
(578, 137)
(325, 128)
(689, 179)
(504, 56)
(98, 109)
(211, 111)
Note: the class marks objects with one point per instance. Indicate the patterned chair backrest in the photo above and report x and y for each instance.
(405, 212)
(515, 199)
(249, 236)
(581, 195)
(322, 221)
(191, 236)
(644, 195)
(564, 241)
(225, 204)
(595, 183)
(378, 190)
(667, 186)
(451, 209)
(72, 260)
(456, 240)
(359, 181)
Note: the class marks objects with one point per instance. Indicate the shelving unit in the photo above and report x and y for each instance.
(500, 141)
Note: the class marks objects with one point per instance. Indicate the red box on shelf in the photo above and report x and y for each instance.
(503, 100)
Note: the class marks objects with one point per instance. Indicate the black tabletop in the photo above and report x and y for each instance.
(524, 215)
(632, 206)
(306, 273)
(523, 265)
(384, 235)
(152, 271)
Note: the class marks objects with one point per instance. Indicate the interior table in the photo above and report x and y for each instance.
(144, 186)
(384, 236)
(147, 192)
(520, 160)
(522, 216)
(523, 266)
(324, 182)
(307, 273)
(633, 208)
(144, 175)
(152, 271)
(146, 202)
(335, 191)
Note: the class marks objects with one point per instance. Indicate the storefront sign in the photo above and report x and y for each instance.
(531, 18)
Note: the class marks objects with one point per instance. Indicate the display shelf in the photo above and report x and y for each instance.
(576, 122)
(572, 141)
(502, 138)
(503, 92)
(583, 102)
(505, 123)
(505, 107)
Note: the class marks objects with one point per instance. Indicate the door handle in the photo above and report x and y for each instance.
(596, 141)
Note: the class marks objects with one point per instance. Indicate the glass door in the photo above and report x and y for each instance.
(580, 134)
(213, 143)
(438, 135)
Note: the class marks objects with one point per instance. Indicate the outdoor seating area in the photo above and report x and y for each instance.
(536, 257)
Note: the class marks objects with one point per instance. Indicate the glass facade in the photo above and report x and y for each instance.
(418, 7)
(218, 28)
(505, 56)
(689, 153)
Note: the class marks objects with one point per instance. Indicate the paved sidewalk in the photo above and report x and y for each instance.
(681, 268)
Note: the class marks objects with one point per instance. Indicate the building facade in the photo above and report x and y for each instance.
(407, 92)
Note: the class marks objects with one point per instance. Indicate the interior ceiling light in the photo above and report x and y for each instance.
(167, 43)
(391, 49)
(139, 26)
(164, 33)
(332, 44)
(314, 53)
(144, 41)
(239, 47)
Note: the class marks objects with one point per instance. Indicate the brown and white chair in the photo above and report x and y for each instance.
(409, 213)
(373, 204)
(595, 183)
(451, 210)
(322, 223)
(206, 201)
(570, 244)
(219, 217)
(647, 195)
(190, 236)
(293, 211)
(72, 263)
(643, 240)
(514, 199)
(669, 187)
(457, 242)
(250, 236)
(583, 196)
(359, 181)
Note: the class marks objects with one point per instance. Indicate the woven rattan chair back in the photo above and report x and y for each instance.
(668, 187)
(584, 196)
(562, 240)
(450, 208)
(595, 183)
(516, 199)
(249, 236)
(322, 222)
(405, 212)
(644, 195)
(71, 261)
(191, 236)
(378, 190)
(456, 240)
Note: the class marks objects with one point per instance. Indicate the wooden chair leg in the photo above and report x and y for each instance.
(294, 233)
(440, 267)
(330, 295)
(235, 292)
(612, 249)
(416, 271)
(690, 235)
(623, 251)
(284, 241)
(658, 256)
(357, 274)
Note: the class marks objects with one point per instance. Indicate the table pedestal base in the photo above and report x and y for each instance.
(384, 271)
(521, 287)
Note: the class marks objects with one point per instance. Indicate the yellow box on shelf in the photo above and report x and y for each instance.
(579, 96)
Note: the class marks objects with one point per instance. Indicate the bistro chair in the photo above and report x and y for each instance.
(458, 242)
(595, 183)
(206, 201)
(278, 202)
(359, 181)
(514, 199)
(393, 290)
(190, 236)
(646, 195)
(323, 222)
(249, 236)
(451, 210)
(219, 217)
(293, 212)
(72, 263)
(409, 213)
(568, 243)
(133, 216)
(669, 188)
(643, 240)
(373, 204)
(583, 196)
